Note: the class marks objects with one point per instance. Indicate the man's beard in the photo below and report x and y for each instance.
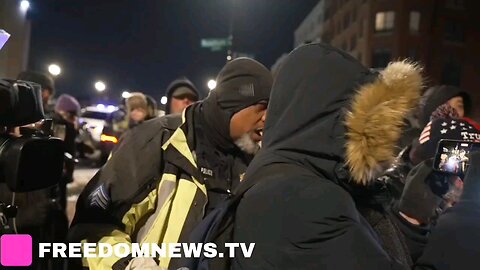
(247, 145)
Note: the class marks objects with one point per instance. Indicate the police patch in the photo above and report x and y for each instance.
(99, 197)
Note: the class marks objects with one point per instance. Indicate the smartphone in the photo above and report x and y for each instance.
(452, 156)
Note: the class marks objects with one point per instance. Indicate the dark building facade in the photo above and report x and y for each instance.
(443, 35)
(14, 55)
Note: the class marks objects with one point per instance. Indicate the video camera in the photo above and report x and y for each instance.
(30, 157)
(33, 159)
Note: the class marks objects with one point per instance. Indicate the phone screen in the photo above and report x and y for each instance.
(453, 156)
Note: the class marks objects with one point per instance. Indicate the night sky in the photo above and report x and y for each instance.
(145, 44)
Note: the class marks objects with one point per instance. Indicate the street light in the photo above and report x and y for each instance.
(126, 94)
(100, 86)
(212, 84)
(54, 69)
(164, 100)
(24, 5)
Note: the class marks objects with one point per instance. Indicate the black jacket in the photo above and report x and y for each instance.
(298, 202)
(309, 217)
(313, 216)
(453, 243)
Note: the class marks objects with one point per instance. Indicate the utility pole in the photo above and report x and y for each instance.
(230, 31)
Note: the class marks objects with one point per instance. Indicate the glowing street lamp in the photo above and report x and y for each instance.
(211, 84)
(164, 100)
(100, 86)
(24, 5)
(126, 94)
(54, 69)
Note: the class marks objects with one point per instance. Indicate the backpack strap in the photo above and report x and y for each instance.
(217, 227)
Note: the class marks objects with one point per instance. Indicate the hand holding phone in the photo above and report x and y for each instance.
(471, 187)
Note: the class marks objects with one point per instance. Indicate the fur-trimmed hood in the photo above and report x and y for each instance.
(331, 114)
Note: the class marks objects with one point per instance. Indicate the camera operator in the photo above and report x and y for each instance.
(48, 88)
(31, 162)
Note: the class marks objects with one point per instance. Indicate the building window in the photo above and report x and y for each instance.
(381, 58)
(384, 21)
(359, 57)
(414, 21)
(344, 46)
(455, 4)
(413, 53)
(452, 72)
(360, 33)
(454, 31)
(354, 14)
(346, 20)
(353, 42)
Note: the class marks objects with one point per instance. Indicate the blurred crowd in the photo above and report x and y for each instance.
(329, 164)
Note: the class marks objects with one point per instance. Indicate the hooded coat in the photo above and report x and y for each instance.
(438, 95)
(335, 123)
(176, 84)
(430, 103)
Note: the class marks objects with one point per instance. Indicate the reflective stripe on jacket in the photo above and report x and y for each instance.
(150, 191)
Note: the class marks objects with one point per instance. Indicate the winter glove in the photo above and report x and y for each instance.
(143, 264)
(471, 186)
(422, 193)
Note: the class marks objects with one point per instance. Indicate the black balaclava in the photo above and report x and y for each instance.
(241, 83)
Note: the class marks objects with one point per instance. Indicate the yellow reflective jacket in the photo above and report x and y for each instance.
(150, 191)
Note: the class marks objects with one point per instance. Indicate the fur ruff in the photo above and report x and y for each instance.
(376, 120)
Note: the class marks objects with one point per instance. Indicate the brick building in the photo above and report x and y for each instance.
(444, 35)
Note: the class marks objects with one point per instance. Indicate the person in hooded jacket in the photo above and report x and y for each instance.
(163, 180)
(67, 110)
(180, 94)
(436, 96)
(453, 243)
(151, 108)
(48, 88)
(332, 126)
(424, 194)
(137, 109)
(433, 105)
